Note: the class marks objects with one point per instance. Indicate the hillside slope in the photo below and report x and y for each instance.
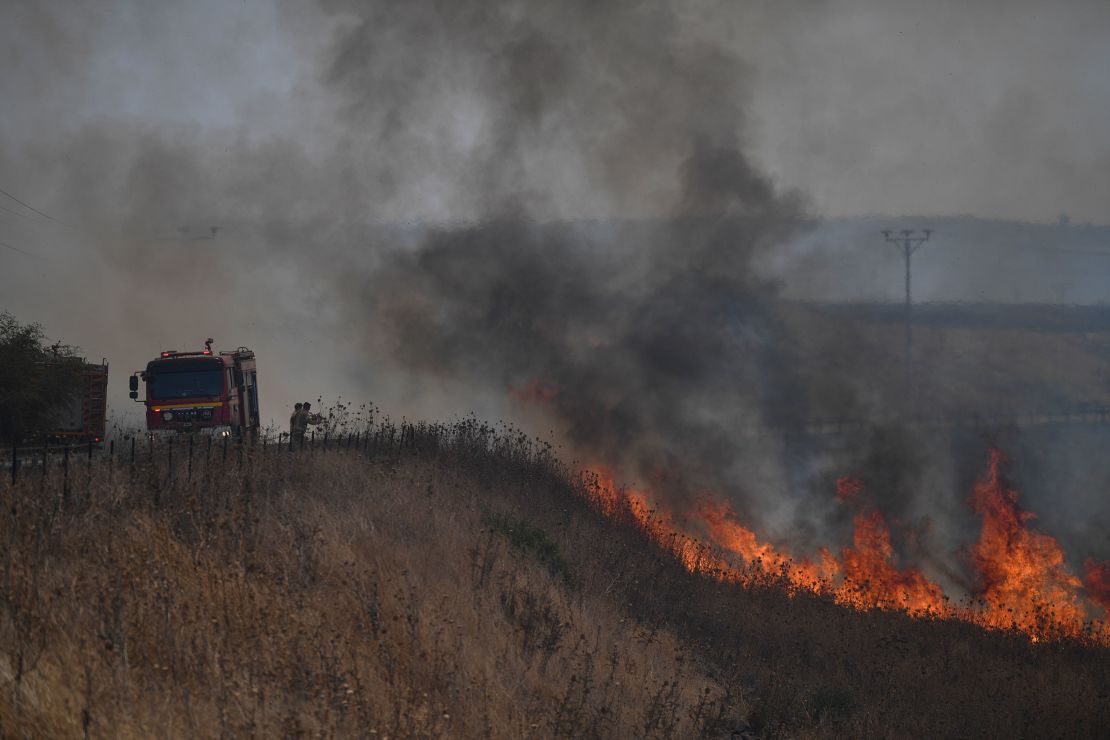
(458, 584)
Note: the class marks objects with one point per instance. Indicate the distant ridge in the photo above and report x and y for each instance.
(980, 315)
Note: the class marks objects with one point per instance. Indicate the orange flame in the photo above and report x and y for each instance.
(870, 578)
(536, 391)
(1097, 582)
(848, 490)
(728, 534)
(618, 503)
(1022, 579)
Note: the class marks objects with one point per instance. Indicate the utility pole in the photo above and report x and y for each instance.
(908, 240)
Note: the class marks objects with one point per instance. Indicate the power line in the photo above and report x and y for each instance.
(16, 213)
(17, 249)
(28, 205)
(1068, 250)
(213, 230)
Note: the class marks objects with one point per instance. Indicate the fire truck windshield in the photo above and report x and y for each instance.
(172, 379)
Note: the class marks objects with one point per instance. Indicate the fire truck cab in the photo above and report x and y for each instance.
(201, 391)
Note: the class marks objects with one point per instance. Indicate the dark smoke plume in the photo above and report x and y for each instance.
(657, 340)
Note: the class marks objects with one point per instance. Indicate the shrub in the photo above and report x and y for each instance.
(36, 379)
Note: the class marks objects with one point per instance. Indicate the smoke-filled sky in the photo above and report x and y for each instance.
(992, 108)
(450, 205)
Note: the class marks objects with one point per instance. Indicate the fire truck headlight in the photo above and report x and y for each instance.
(167, 416)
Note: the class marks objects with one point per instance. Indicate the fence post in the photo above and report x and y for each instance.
(88, 475)
(65, 475)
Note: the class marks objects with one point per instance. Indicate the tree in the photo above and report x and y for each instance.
(37, 379)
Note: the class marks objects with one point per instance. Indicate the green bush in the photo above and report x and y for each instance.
(36, 379)
(529, 538)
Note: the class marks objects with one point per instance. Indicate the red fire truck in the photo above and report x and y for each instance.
(200, 391)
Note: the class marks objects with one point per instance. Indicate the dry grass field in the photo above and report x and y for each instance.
(852, 367)
(452, 582)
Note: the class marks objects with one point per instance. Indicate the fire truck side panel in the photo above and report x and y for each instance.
(85, 415)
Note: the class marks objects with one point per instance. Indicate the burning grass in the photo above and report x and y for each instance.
(458, 582)
(1022, 580)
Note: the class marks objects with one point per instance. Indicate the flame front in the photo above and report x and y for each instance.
(727, 533)
(870, 578)
(1097, 582)
(1022, 575)
(1022, 581)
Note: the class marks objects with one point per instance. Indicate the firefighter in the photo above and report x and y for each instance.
(293, 419)
(300, 421)
(311, 418)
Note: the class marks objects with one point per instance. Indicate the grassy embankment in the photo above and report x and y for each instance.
(460, 584)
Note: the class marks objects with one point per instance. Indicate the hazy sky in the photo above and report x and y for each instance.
(867, 106)
(990, 108)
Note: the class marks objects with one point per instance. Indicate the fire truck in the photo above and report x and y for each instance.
(83, 416)
(205, 391)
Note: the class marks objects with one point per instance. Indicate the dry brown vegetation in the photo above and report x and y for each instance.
(451, 582)
(958, 370)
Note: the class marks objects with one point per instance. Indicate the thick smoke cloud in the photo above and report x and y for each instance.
(654, 354)
(557, 110)
(656, 340)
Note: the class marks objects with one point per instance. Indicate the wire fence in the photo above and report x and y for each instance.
(170, 461)
(177, 463)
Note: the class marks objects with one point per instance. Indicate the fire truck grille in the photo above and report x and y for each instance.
(184, 416)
